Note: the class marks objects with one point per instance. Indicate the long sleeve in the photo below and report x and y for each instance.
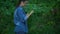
(20, 20)
(21, 15)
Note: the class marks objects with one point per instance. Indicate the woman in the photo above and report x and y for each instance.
(20, 18)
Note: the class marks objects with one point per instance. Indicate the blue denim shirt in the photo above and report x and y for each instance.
(20, 19)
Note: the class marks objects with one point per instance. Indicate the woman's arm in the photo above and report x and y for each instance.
(23, 17)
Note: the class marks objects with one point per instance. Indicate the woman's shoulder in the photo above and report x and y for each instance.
(19, 8)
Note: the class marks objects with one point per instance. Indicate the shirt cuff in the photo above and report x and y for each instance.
(17, 23)
(26, 18)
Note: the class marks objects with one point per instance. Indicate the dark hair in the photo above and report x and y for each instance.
(20, 2)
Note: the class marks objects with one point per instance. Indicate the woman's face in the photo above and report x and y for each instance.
(24, 3)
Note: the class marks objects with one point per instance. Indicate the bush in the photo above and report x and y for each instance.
(45, 19)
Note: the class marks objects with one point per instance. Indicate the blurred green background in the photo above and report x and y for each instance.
(45, 20)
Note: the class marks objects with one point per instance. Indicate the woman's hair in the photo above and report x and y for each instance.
(20, 2)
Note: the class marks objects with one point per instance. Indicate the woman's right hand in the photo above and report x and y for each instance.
(30, 13)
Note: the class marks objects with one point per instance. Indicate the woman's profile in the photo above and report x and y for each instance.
(20, 18)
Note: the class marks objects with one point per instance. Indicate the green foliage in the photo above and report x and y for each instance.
(45, 19)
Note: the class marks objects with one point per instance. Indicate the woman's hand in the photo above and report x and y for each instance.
(28, 15)
(31, 12)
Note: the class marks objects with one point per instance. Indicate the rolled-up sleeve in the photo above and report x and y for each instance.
(21, 15)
